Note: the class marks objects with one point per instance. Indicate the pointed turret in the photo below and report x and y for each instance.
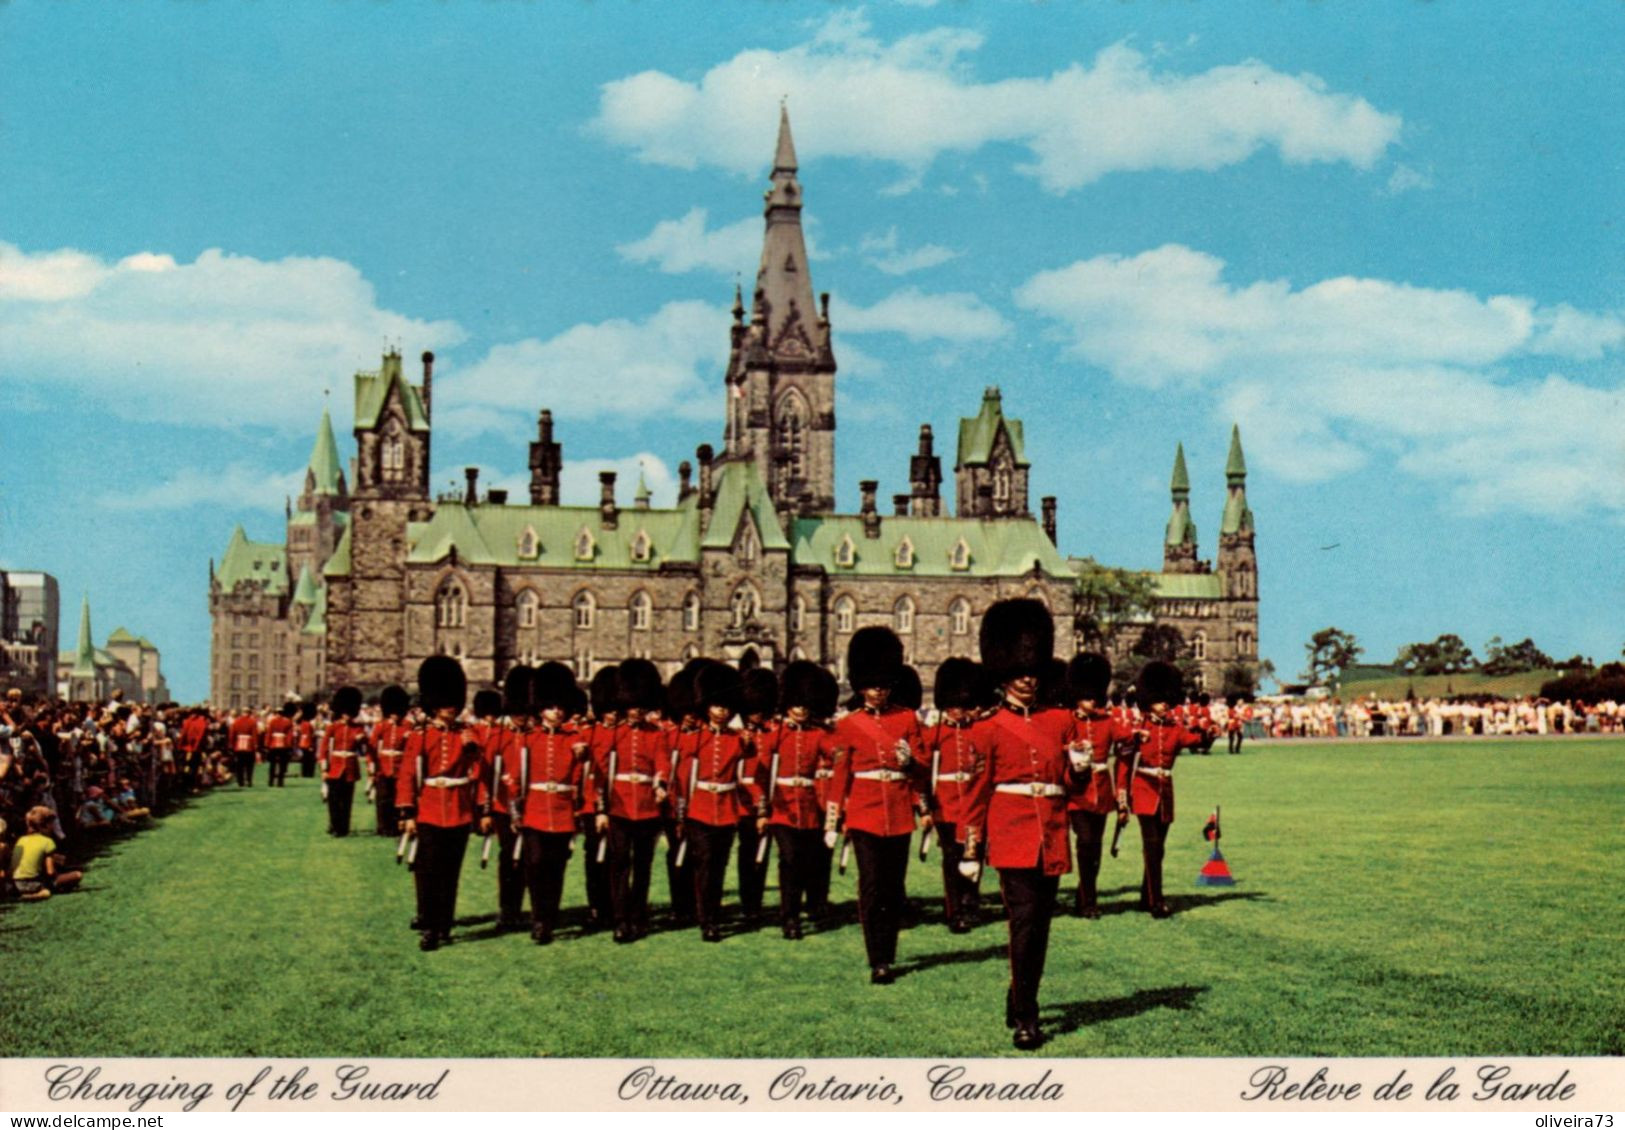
(640, 500)
(1179, 545)
(325, 473)
(1238, 558)
(783, 301)
(84, 658)
(990, 465)
(1238, 516)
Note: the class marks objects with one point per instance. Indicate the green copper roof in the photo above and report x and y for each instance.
(740, 488)
(1238, 516)
(1181, 530)
(977, 435)
(338, 565)
(308, 518)
(122, 635)
(1235, 466)
(485, 534)
(84, 660)
(253, 562)
(305, 591)
(998, 547)
(1181, 483)
(324, 458)
(644, 494)
(372, 393)
(317, 624)
(146, 644)
(1188, 586)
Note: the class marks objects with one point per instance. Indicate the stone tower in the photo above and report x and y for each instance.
(991, 469)
(1179, 544)
(546, 461)
(318, 517)
(781, 369)
(1237, 561)
(925, 478)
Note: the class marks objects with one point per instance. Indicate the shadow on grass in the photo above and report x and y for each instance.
(1074, 1015)
(950, 957)
(1179, 903)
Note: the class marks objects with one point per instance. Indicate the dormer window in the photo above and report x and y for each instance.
(746, 549)
(530, 546)
(846, 553)
(584, 545)
(959, 557)
(905, 554)
(642, 546)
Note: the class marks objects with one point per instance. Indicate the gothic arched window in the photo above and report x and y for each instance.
(790, 440)
(746, 603)
(903, 616)
(845, 611)
(450, 605)
(798, 614)
(1199, 646)
(959, 612)
(691, 612)
(642, 610)
(1001, 483)
(584, 606)
(527, 604)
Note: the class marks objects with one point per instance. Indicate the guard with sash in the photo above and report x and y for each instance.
(960, 692)
(759, 699)
(789, 758)
(712, 796)
(1016, 818)
(279, 739)
(1094, 792)
(343, 745)
(1145, 781)
(604, 697)
(877, 790)
(385, 751)
(243, 735)
(545, 782)
(438, 792)
(634, 767)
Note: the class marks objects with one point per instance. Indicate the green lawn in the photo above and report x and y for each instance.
(1415, 899)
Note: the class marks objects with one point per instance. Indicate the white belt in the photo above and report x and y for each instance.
(825, 773)
(956, 778)
(795, 782)
(551, 787)
(1150, 772)
(880, 775)
(635, 778)
(341, 753)
(716, 786)
(447, 782)
(1030, 788)
(389, 753)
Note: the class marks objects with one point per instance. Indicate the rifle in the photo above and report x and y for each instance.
(931, 800)
(496, 784)
(417, 796)
(682, 808)
(609, 800)
(516, 810)
(772, 780)
(672, 829)
(400, 848)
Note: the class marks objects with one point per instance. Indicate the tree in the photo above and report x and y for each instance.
(1240, 680)
(1330, 651)
(1110, 600)
(1447, 655)
(1157, 641)
(1511, 659)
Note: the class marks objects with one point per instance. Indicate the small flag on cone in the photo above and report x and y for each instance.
(1215, 872)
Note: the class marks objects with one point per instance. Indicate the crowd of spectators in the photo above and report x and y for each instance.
(1427, 717)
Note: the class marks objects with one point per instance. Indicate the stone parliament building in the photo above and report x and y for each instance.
(752, 565)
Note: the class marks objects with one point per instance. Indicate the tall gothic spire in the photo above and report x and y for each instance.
(1179, 545)
(783, 302)
(84, 658)
(1238, 516)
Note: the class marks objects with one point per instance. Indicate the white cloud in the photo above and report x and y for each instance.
(883, 254)
(914, 99)
(1405, 179)
(1326, 378)
(953, 317)
(227, 338)
(679, 246)
(237, 485)
(670, 365)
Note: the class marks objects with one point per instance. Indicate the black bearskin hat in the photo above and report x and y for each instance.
(289, 710)
(346, 702)
(1090, 674)
(552, 685)
(801, 684)
(307, 710)
(760, 694)
(1160, 682)
(1053, 689)
(907, 691)
(874, 658)
(639, 686)
(394, 701)
(516, 690)
(605, 691)
(442, 684)
(487, 703)
(1018, 638)
(960, 683)
(1205, 699)
(718, 685)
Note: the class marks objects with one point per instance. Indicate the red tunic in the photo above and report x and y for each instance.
(753, 775)
(1094, 791)
(385, 749)
(802, 751)
(599, 740)
(193, 731)
(1153, 787)
(493, 738)
(341, 750)
(721, 756)
(642, 759)
(1018, 800)
(877, 793)
(244, 734)
(547, 773)
(279, 733)
(957, 762)
(305, 735)
(449, 767)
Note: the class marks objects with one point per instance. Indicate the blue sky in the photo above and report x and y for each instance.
(1383, 238)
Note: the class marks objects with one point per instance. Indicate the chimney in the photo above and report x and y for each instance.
(606, 498)
(871, 517)
(685, 471)
(1047, 508)
(925, 477)
(899, 504)
(428, 381)
(471, 497)
(703, 454)
(546, 461)
(496, 497)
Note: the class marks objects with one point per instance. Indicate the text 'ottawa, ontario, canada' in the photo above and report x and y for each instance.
(941, 1083)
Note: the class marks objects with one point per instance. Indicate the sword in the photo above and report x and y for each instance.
(496, 786)
(516, 810)
(412, 855)
(609, 798)
(682, 808)
(846, 851)
(400, 848)
(772, 780)
(930, 800)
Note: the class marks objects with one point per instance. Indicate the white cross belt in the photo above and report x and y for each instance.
(880, 775)
(1030, 788)
(447, 782)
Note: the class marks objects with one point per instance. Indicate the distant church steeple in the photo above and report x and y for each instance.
(1179, 545)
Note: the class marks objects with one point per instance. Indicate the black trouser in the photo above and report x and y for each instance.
(882, 896)
(307, 765)
(631, 853)
(708, 848)
(1153, 834)
(439, 865)
(752, 875)
(960, 897)
(545, 855)
(385, 819)
(598, 900)
(277, 774)
(243, 765)
(1090, 828)
(340, 797)
(1029, 902)
(819, 862)
(679, 880)
(510, 877)
(800, 850)
(1235, 741)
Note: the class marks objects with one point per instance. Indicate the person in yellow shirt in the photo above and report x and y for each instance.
(34, 862)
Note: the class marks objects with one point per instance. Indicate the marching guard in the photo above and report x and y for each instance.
(305, 738)
(1016, 818)
(959, 693)
(438, 793)
(759, 699)
(686, 723)
(343, 745)
(385, 751)
(545, 783)
(516, 691)
(1145, 782)
(279, 741)
(244, 737)
(1094, 793)
(634, 767)
(790, 756)
(876, 790)
(604, 698)
(711, 793)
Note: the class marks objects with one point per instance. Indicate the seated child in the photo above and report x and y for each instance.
(34, 864)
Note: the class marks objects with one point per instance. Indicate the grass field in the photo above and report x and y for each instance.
(1409, 899)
